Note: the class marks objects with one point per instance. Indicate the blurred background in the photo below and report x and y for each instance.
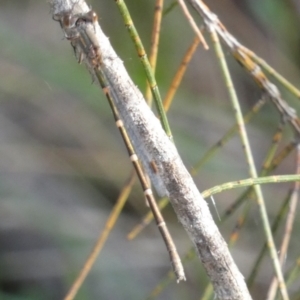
(63, 163)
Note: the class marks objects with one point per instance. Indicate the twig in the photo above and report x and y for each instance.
(146, 64)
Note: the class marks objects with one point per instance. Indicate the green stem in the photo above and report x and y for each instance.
(145, 62)
(250, 161)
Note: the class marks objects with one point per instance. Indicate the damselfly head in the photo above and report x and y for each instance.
(89, 17)
(67, 22)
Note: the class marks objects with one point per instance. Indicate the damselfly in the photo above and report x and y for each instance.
(80, 30)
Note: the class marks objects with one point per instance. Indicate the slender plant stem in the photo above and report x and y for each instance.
(145, 62)
(267, 161)
(250, 160)
(269, 157)
(288, 228)
(249, 182)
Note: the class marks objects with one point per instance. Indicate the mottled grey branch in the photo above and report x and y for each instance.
(171, 177)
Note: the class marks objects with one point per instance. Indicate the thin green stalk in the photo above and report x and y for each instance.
(250, 161)
(249, 182)
(249, 192)
(243, 216)
(277, 137)
(145, 62)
